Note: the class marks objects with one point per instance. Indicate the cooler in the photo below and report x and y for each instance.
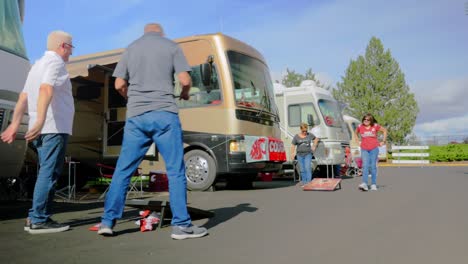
(158, 182)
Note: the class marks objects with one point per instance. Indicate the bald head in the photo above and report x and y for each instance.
(153, 27)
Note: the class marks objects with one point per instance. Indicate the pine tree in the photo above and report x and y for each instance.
(375, 84)
(292, 79)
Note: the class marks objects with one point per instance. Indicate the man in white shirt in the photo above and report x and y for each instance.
(47, 96)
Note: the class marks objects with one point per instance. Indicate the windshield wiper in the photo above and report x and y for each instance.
(264, 103)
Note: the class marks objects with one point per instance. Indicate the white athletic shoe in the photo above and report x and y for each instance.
(363, 187)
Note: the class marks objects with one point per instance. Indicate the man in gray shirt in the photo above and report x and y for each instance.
(145, 75)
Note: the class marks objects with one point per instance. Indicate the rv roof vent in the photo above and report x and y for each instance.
(309, 83)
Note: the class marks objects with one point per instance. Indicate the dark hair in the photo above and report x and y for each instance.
(370, 117)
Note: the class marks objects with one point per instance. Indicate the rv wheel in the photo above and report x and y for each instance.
(200, 169)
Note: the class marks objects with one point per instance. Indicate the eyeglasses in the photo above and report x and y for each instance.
(304, 131)
(367, 120)
(69, 45)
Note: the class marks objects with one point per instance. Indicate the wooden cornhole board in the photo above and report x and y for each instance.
(323, 184)
(163, 207)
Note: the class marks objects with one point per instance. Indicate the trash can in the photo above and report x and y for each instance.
(158, 181)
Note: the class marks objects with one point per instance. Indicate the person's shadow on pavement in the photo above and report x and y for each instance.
(226, 213)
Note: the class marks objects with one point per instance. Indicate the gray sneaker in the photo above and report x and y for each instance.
(105, 230)
(373, 187)
(50, 226)
(183, 232)
(363, 187)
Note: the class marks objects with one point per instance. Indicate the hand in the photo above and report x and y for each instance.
(34, 132)
(382, 143)
(184, 95)
(123, 92)
(9, 135)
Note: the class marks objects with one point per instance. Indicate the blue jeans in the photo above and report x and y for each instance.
(369, 160)
(305, 164)
(164, 129)
(51, 154)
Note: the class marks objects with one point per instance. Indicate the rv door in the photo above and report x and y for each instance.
(115, 107)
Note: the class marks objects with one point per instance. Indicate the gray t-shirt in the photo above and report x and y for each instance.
(149, 65)
(303, 145)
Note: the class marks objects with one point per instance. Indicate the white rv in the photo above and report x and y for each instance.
(315, 106)
(14, 67)
(351, 125)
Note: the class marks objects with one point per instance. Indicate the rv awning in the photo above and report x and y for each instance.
(79, 66)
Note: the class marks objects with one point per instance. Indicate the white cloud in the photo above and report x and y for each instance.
(440, 99)
(443, 107)
(444, 127)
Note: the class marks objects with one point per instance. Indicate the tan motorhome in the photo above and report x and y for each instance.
(316, 107)
(230, 122)
(14, 67)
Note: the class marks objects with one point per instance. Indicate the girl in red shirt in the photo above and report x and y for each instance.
(367, 132)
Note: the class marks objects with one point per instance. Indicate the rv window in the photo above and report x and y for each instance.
(350, 131)
(294, 115)
(200, 94)
(88, 92)
(115, 133)
(301, 113)
(355, 125)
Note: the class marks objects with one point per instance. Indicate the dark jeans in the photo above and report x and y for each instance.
(51, 154)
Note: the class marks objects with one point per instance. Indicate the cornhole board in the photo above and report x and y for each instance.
(163, 207)
(323, 184)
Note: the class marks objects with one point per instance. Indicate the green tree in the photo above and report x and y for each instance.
(292, 79)
(374, 83)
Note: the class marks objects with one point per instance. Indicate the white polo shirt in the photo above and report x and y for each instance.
(50, 69)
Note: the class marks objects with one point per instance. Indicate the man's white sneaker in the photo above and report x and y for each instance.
(363, 187)
(105, 230)
(373, 187)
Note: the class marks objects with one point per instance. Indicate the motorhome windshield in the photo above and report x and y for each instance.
(331, 113)
(10, 29)
(252, 83)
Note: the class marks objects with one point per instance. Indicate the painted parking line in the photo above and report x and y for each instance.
(439, 164)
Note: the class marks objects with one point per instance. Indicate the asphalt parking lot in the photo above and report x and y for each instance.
(419, 215)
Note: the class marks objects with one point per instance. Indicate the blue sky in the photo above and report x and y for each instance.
(429, 39)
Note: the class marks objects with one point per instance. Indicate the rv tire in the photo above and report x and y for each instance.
(200, 170)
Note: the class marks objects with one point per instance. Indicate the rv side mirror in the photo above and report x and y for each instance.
(205, 70)
(310, 120)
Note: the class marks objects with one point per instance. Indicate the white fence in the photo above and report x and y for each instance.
(421, 152)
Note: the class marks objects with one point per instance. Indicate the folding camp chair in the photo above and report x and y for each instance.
(106, 173)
